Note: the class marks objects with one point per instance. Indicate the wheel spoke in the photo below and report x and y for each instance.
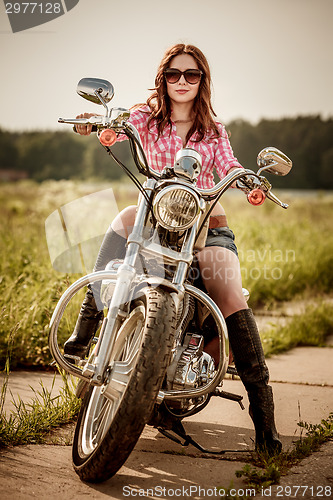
(122, 370)
(126, 332)
(103, 421)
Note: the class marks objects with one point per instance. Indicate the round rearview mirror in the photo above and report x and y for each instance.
(272, 160)
(88, 88)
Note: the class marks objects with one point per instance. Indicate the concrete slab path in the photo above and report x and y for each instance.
(302, 381)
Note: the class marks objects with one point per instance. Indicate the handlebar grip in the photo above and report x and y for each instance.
(94, 129)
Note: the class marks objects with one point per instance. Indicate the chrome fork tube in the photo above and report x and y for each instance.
(125, 276)
(187, 249)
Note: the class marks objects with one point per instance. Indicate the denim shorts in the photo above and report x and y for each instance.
(221, 237)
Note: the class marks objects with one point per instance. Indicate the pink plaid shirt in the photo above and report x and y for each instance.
(215, 152)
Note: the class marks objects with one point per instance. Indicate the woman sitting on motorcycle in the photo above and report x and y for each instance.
(179, 114)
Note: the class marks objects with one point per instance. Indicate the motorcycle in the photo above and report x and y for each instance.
(148, 363)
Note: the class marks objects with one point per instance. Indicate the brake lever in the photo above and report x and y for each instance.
(276, 200)
(93, 120)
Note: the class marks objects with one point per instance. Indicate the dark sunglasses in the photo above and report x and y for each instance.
(192, 76)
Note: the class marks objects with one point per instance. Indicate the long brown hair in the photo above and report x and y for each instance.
(159, 101)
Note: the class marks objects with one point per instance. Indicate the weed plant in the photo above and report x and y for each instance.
(268, 470)
(29, 423)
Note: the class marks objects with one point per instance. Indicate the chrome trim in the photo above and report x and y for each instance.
(246, 294)
(176, 180)
(271, 196)
(119, 116)
(154, 249)
(153, 173)
(223, 364)
(58, 313)
(185, 152)
(272, 160)
(225, 183)
(188, 163)
(182, 268)
(95, 90)
(121, 370)
(126, 275)
(175, 188)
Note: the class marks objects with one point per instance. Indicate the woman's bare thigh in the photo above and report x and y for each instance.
(221, 274)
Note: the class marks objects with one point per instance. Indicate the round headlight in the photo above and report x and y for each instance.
(176, 208)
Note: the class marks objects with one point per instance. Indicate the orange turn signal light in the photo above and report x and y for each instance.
(256, 197)
(107, 137)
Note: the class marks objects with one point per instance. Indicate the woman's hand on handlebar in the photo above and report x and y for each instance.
(84, 129)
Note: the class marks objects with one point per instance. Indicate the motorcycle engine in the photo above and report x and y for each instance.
(191, 367)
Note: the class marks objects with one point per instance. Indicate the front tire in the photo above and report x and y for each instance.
(108, 429)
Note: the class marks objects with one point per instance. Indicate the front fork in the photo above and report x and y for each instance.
(126, 274)
(95, 369)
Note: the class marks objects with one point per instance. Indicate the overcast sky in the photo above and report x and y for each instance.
(269, 58)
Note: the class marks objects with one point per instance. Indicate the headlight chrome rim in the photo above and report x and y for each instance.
(162, 218)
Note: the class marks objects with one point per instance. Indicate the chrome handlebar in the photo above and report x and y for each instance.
(118, 120)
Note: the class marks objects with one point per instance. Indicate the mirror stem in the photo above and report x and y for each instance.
(98, 95)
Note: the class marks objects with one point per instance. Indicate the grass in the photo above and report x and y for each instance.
(29, 423)
(310, 328)
(29, 286)
(283, 255)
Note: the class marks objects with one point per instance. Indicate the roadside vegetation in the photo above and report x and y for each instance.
(284, 254)
(310, 328)
(31, 422)
(29, 286)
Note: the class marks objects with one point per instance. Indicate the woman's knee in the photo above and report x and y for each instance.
(233, 303)
(124, 221)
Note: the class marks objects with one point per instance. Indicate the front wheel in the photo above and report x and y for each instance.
(108, 428)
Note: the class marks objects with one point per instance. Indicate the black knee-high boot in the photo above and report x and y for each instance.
(113, 247)
(251, 367)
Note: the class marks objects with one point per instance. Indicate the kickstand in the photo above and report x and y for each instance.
(179, 430)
